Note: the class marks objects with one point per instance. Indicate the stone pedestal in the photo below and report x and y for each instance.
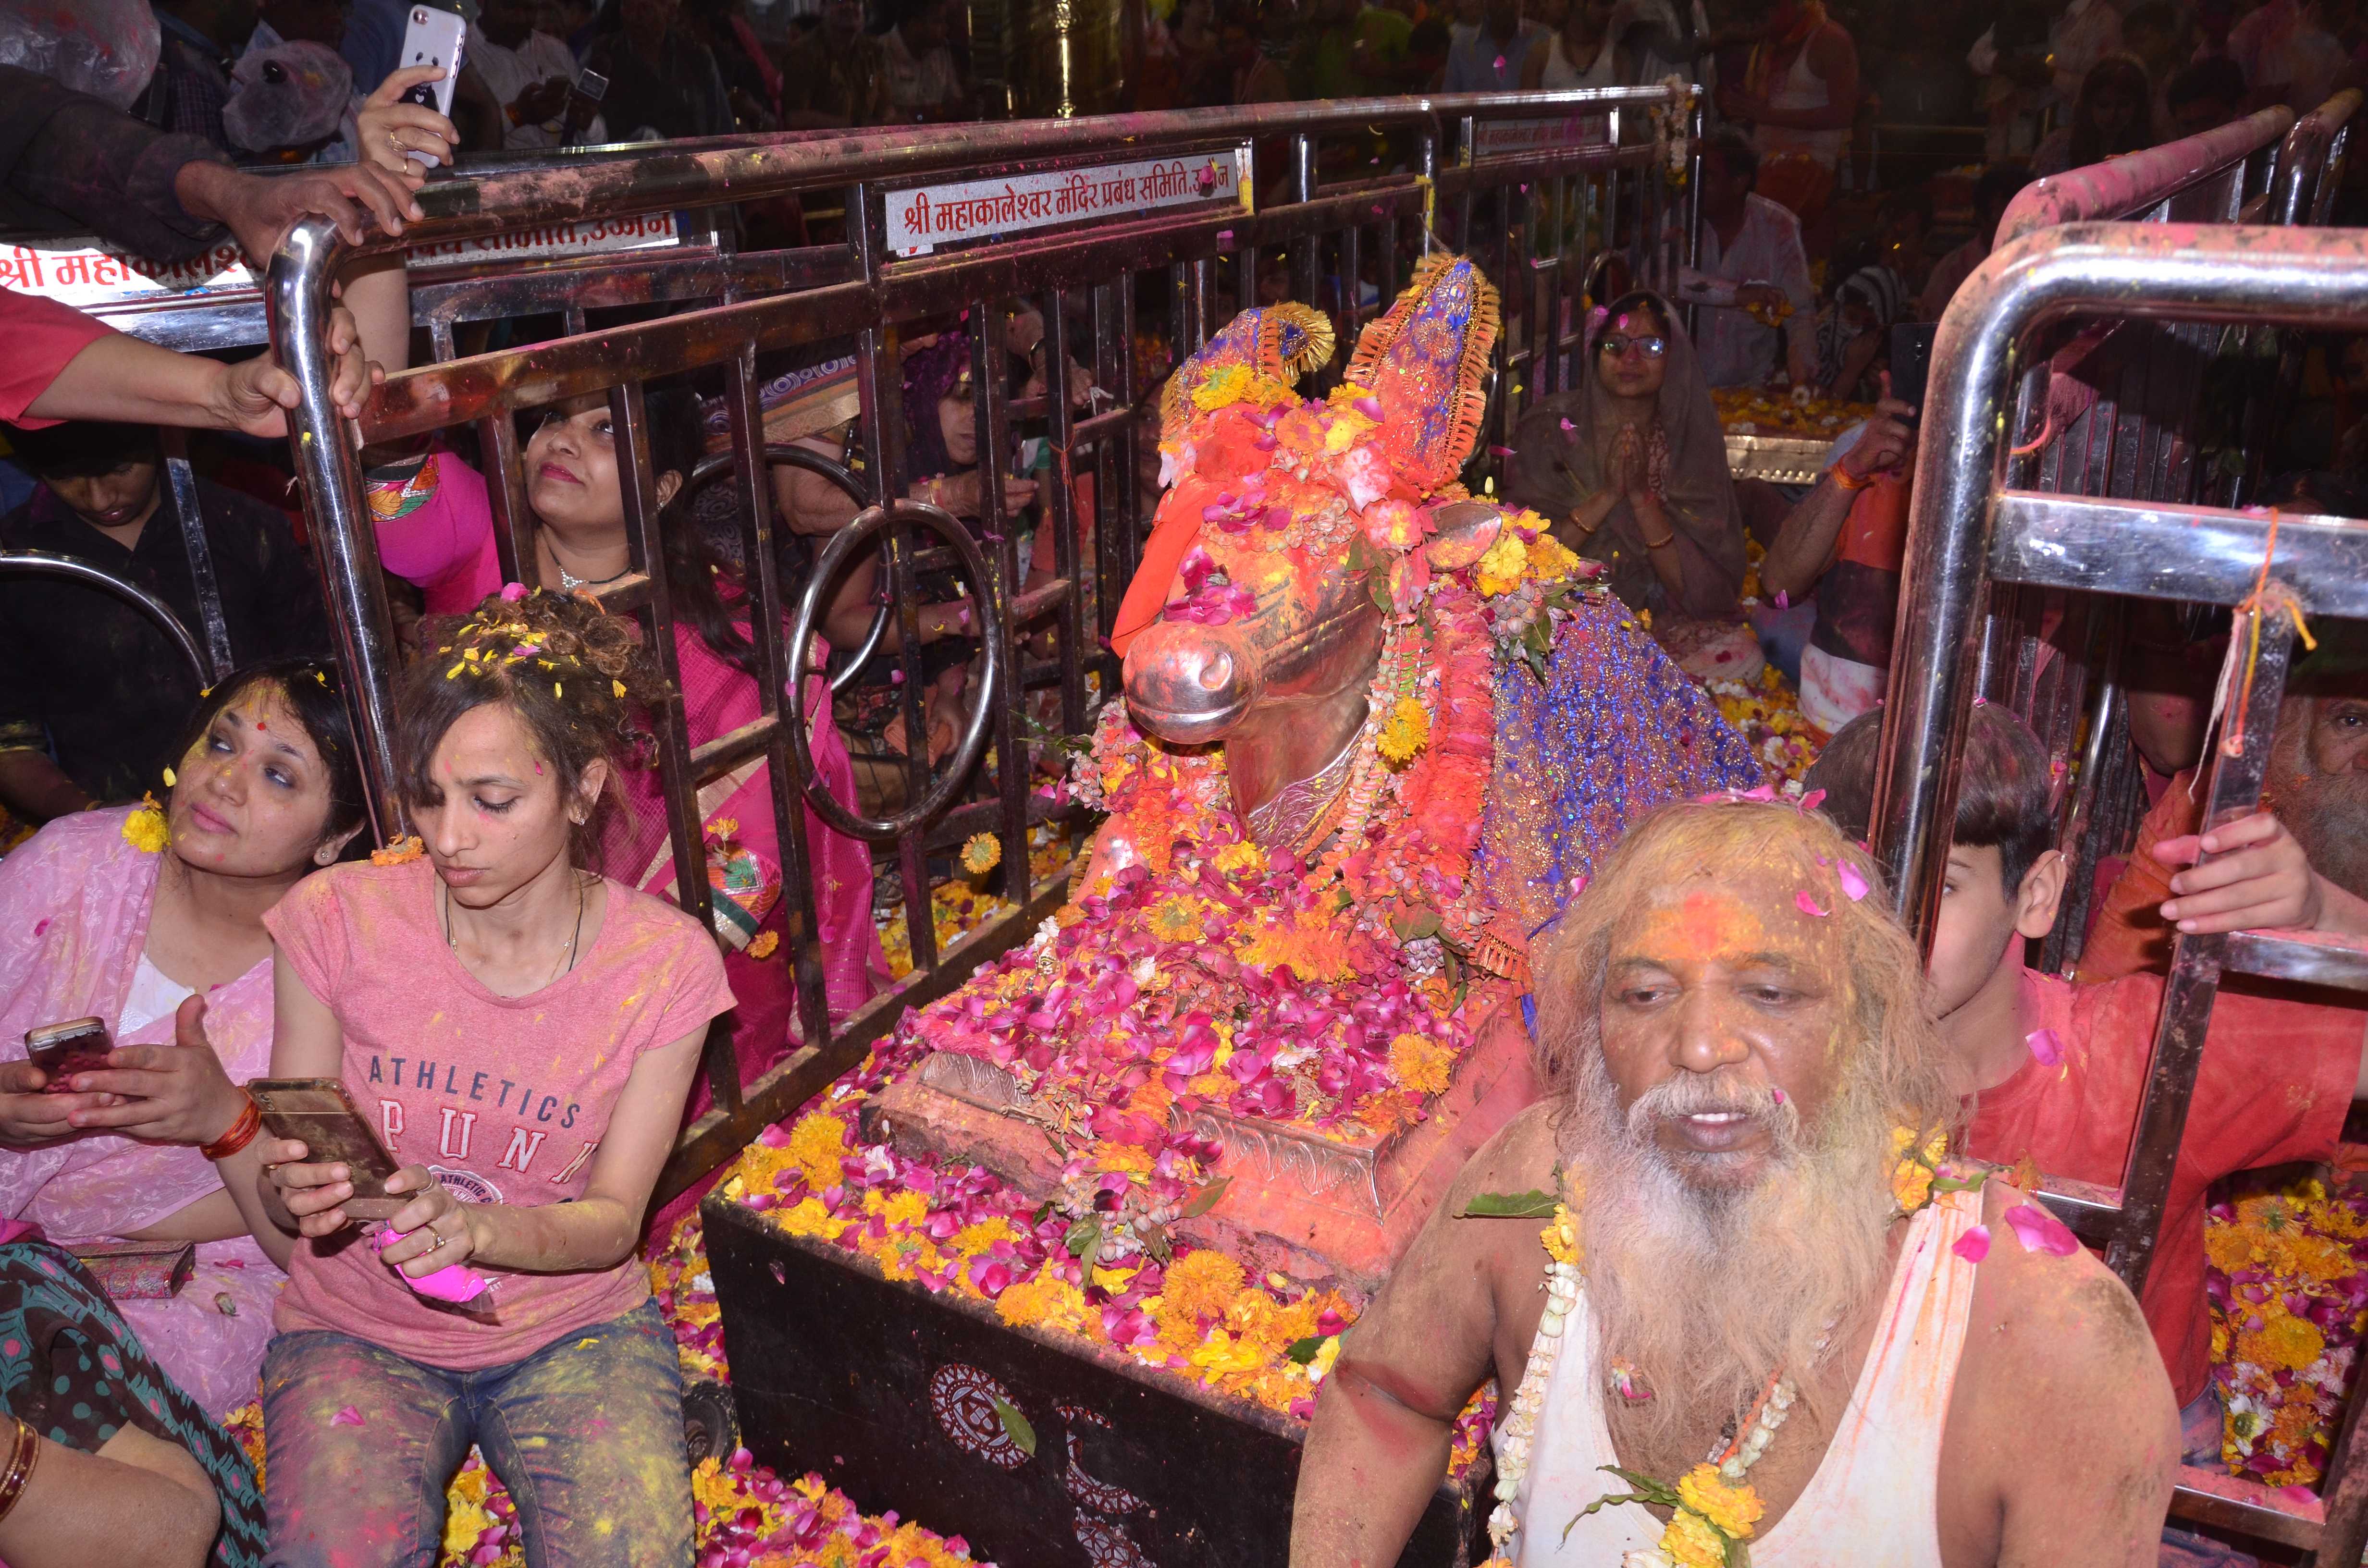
(1322, 1209)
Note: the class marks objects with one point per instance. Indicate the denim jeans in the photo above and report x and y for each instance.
(586, 1433)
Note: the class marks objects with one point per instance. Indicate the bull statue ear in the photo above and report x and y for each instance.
(1273, 343)
(1426, 362)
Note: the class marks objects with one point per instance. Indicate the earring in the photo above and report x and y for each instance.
(325, 855)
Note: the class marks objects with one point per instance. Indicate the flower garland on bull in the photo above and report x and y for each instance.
(1329, 983)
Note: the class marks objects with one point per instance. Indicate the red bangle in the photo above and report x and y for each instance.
(242, 1131)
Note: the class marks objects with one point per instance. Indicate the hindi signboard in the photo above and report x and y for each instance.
(1503, 138)
(923, 219)
(93, 274)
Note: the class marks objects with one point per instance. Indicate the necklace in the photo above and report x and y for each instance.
(568, 581)
(566, 951)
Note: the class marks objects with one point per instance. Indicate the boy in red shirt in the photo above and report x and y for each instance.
(2056, 1068)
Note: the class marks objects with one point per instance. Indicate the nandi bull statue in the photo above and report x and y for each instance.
(1374, 730)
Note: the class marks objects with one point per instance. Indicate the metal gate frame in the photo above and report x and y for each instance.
(1969, 527)
(1626, 186)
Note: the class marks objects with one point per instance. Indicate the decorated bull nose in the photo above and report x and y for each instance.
(1190, 685)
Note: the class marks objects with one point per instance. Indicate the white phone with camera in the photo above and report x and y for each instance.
(433, 37)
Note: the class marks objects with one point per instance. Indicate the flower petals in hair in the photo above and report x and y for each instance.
(1854, 885)
(1807, 905)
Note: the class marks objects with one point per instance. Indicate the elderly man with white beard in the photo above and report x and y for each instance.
(1781, 1338)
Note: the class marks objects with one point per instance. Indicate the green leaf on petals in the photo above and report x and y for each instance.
(1416, 926)
(1085, 1242)
(1305, 1350)
(1207, 1198)
(1016, 1426)
(1534, 1204)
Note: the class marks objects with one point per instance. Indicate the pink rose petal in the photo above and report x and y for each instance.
(1810, 802)
(1854, 885)
(2047, 1046)
(1974, 1245)
(1806, 904)
(348, 1416)
(2041, 1231)
(1783, 600)
(513, 591)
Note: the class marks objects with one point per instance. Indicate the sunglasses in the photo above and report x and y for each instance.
(1616, 347)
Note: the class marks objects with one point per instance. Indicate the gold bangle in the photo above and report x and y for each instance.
(1669, 538)
(22, 1453)
(1842, 477)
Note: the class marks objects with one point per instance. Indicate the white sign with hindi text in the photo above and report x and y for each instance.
(934, 215)
(91, 274)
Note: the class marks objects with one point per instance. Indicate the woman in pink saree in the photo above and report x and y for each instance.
(122, 915)
(435, 528)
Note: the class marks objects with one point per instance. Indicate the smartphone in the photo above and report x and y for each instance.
(582, 105)
(1911, 359)
(433, 37)
(320, 1114)
(59, 1049)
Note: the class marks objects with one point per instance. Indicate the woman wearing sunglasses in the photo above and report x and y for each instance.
(1631, 465)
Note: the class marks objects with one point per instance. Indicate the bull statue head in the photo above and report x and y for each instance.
(1253, 621)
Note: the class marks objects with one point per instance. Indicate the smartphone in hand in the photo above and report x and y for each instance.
(433, 37)
(61, 1050)
(318, 1113)
(1911, 360)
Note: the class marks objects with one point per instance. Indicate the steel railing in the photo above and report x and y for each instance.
(1972, 525)
(1537, 215)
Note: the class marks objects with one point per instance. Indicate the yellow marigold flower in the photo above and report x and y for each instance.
(900, 1208)
(144, 829)
(1202, 1284)
(1343, 431)
(1178, 919)
(982, 853)
(1550, 559)
(816, 1144)
(2283, 1343)
(1129, 1157)
(1328, 1353)
(1561, 1238)
(1690, 1543)
(762, 947)
(1231, 384)
(1221, 1354)
(1421, 1063)
(1234, 859)
(1911, 1186)
(1502, 568)
(466, 1519)
(1113, 1279)
(973, 1240)
(810, 1219)
(1044, 1301)
(1405, 733)
(710, 1483)
(1733, 1507)
(403, 850)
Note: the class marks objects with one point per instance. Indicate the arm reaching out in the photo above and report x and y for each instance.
(2258, 879)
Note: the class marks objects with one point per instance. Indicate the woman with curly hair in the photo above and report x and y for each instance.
(523, 1032)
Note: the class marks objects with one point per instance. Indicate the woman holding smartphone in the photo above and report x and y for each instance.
(522, 1034)
(121, 916)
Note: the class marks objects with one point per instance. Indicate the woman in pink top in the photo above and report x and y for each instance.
(102, 913)
(435, 528)
(522, 1034)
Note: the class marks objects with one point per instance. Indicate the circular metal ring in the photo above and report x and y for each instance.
(791, 456)
(43, 563)
(870, 522)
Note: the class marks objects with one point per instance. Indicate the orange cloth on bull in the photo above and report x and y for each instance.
(1274, 343)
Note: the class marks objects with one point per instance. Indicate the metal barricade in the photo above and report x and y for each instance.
(1973, 524)
(2140, 426)
(1547, 207)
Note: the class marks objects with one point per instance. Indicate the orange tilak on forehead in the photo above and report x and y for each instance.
(1706, 922)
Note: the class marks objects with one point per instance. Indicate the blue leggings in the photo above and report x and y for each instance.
(586, 1433)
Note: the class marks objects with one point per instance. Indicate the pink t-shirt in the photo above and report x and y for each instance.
(505, 1098)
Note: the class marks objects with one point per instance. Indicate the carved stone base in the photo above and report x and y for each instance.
(1320, 1210)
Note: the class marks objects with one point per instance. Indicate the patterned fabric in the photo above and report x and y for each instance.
(392, 494)
(73, 1370)
(1615, 731)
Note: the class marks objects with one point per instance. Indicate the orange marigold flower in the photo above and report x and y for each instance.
(1421, 1063)
(1202, 1284)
